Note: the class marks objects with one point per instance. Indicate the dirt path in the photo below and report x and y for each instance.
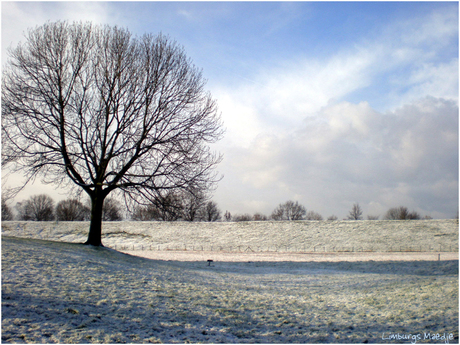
(297, 257)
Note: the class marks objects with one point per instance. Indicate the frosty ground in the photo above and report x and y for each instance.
(55, 292)
(273, 236)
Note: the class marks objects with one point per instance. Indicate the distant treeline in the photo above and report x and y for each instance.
(174, 207)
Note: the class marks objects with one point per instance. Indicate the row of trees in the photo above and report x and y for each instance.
(171, 208)
(174, 207)
(41, 208)
(291, 210)
(185, 205)
(394, 213)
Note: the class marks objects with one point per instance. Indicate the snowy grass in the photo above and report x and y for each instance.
(309, 236)
(55, 292)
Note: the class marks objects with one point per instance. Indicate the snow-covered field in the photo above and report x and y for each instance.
(55, 292)
(269, 282)
(271, 236)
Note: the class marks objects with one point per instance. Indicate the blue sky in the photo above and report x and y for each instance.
(326, 103)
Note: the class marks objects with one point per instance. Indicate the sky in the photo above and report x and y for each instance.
(324, 103)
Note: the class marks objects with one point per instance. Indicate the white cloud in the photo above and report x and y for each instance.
(351, 153)
(392, 70)
(18, 17)
(437, 80)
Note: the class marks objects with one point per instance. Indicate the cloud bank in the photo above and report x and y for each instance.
(375, 123)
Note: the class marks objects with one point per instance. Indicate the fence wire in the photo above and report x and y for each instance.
(280, 249)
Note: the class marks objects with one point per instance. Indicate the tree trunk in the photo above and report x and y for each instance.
(95, 227)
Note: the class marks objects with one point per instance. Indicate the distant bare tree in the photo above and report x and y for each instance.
(242, 217)
(227, 216)
(371, 217)
(71, 210)
(192, 202)
(401, 213)
(210, 212)
(168, 209)
(259, 217)
(290, 210)
(95, 108)
(111, 211)
(142, 213)
(332, 218)
(355, 213)
(7, 214)
(277, 213)
(36, 208)
(312, 215)
(414, 215)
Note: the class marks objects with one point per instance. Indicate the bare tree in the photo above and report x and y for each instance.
(143, 213)
(290, 210)
(111, 211)
(210, 212)
(332, 218)
(355, 213)
(372, 217)
(259, 217)
(71, 210)
(36, 208)
(312, 215)
(242, 217)
(96, 108)
(401, 213)
(415, 215)
(227, 216)
(168, 208)
(192, 202)
(7, 214)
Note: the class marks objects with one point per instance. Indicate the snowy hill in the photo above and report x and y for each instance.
(309, 236)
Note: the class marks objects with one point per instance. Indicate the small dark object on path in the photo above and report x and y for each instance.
(209, 262)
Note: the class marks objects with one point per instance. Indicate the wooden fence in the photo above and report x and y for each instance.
(282, 249)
